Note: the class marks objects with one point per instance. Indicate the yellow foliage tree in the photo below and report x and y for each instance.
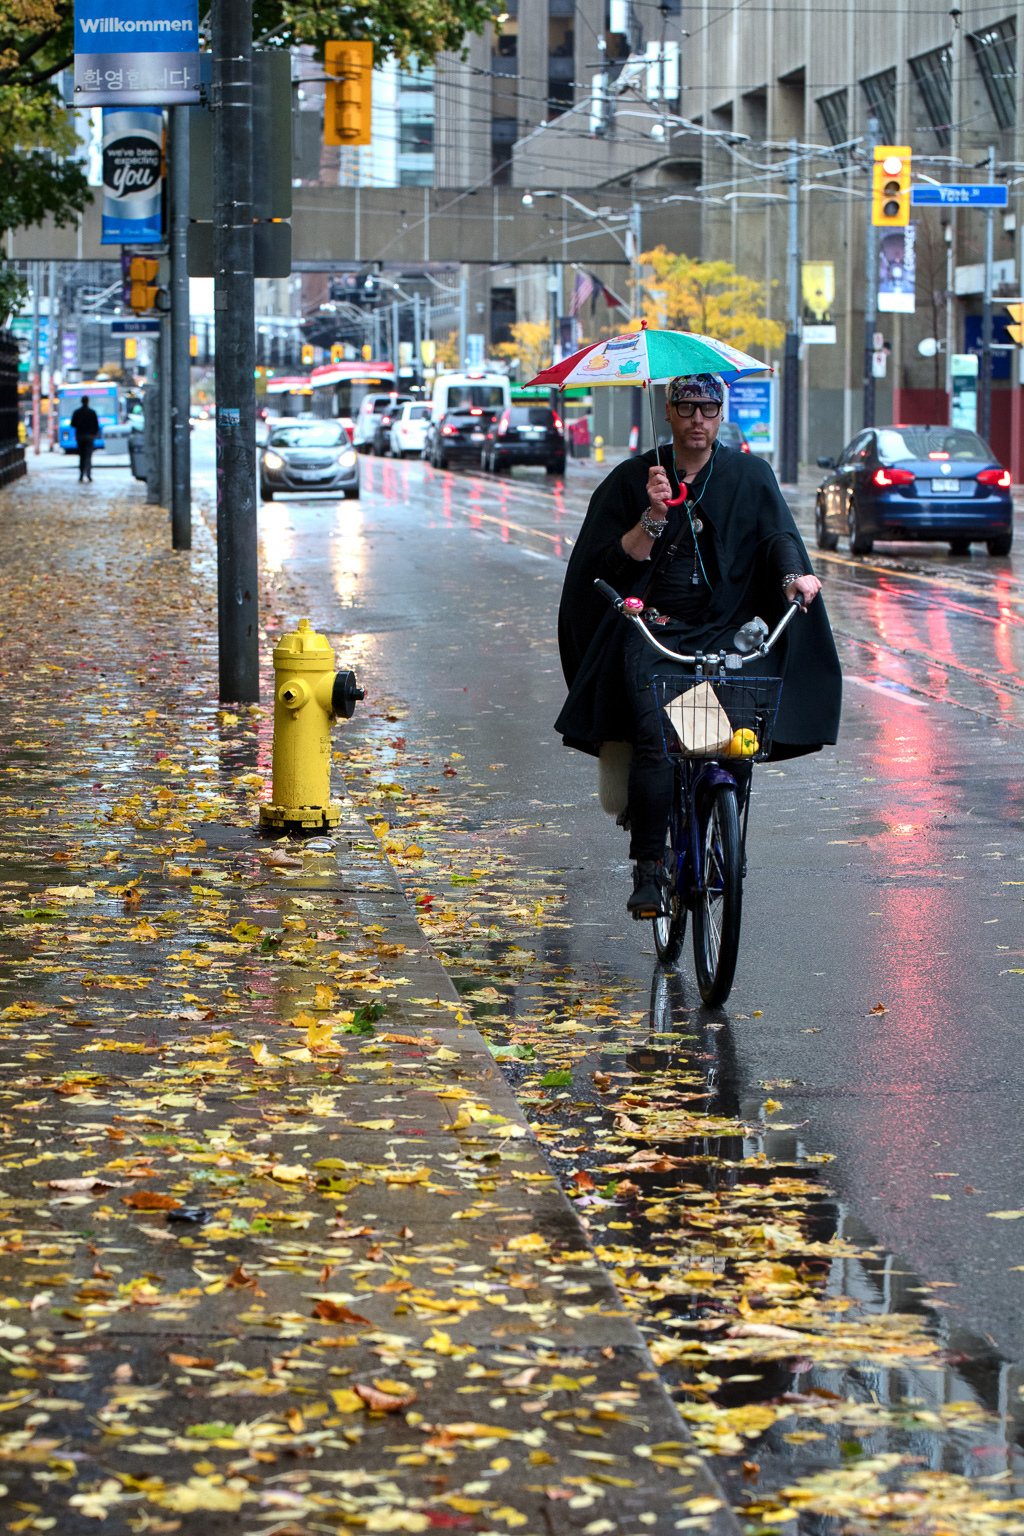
(710, 297)
(446, 353)
(531, 344)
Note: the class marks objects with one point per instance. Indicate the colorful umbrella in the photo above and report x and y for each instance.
(651, 357)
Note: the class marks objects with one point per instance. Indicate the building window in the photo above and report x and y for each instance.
(995, 53)
(880, 94)
(503, 136)
(503, 315)
(416, 138)
(835, 114)
(933, 74)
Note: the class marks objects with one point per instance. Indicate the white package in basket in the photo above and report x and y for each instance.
(700, 722)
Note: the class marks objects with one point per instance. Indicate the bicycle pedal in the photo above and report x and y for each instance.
(646, 915)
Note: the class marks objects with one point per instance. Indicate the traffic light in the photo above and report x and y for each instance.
(890, 194)
(337, 353)
(347, 109)
(367, 352)
(1016, 330)
(307, 357)
(131, 348)
(193, 346)
(143, 291)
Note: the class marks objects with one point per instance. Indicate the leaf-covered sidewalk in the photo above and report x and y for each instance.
(279, 1251)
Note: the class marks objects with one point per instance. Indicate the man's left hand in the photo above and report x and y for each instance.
(805, 589)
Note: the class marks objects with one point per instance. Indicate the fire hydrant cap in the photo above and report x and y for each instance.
(305, 647)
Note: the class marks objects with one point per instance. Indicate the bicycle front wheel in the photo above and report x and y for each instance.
(716, 916)
(670, 930)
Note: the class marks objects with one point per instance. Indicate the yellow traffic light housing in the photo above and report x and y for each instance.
(142, 277)
(890, 192)
(1016, 330)
(367, 352)
(349, 103)
(337, 353)
(307, 357)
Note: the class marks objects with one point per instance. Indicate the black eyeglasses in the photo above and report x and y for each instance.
(709, 409)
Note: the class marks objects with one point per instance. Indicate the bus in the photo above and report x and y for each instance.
(289, 397)
(338, 388)
(103, 397)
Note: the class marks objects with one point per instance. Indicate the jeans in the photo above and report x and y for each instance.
(85, 447)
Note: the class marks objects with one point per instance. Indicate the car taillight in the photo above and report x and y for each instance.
(994, 477)
(476, 411)
(744, 447)
(449, 431)
(558, 423)
(503, 425)
(883, 477)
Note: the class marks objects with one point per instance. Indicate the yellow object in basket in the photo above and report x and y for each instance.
(743, 744)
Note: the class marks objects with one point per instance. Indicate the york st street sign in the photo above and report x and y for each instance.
(136, 53)
(970, 194)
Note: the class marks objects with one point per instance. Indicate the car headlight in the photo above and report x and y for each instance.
(273, 461)
(348, 458)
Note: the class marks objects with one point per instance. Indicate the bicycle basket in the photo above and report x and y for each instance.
(701, 718)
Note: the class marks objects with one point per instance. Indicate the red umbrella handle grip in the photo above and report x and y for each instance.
(677, 501)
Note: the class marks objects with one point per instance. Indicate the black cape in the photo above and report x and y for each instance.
(746, 513)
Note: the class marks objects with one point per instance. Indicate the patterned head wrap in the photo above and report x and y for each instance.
(695, 386)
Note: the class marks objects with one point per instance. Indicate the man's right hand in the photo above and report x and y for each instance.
(659, 492)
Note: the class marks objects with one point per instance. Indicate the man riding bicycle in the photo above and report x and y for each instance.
(729, 553)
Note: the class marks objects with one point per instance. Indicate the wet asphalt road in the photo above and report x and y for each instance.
(888, 870)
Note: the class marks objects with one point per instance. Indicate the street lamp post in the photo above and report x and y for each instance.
(789, 465)
(870, 284)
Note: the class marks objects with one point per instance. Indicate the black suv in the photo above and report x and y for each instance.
(460, 434)
(525, 434)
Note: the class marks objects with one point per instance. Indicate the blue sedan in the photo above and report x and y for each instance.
(923, 483)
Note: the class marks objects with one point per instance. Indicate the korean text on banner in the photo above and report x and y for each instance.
(136, 53)
(132, 176)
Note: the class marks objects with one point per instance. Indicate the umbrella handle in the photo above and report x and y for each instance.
(677, 501)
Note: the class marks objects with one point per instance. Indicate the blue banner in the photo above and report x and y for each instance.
(132, 176)
(136, 52)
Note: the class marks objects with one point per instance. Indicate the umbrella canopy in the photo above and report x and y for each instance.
(638, 356)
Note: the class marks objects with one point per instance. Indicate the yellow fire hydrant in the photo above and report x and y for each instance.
(598, 450)
(308, 697)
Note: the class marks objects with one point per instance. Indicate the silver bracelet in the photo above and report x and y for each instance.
(793, 576)
(650, 525)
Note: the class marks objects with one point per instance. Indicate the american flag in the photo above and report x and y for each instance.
(582, 288)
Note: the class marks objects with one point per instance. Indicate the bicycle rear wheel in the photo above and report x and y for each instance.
(717, 914)
(669, 931)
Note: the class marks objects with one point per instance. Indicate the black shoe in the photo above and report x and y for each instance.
(650, 886)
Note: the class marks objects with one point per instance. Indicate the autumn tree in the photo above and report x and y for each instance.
(681, 294)
(530, 347)
(446, 352)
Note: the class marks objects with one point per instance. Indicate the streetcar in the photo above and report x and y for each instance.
(338, 389)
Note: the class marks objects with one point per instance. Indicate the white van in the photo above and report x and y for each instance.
(452, 391)
(371, 409)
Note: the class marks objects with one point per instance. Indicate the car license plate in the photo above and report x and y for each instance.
(476, 437)
(945, 487)
(310, 474)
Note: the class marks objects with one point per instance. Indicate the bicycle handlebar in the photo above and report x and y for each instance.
(730, 659)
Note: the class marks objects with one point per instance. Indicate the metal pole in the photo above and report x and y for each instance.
(417, 338)
(166, 476)
(870, 282)
(181, 362)
(789, 460)
(985, 368)
(463, 303)
(54, 346)
(34, 365)
(234, 309)
(394, 338)
(949, 321)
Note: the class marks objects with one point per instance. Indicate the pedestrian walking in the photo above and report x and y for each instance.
(85, 424)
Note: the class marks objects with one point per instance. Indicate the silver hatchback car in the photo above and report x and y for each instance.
(308, 456)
